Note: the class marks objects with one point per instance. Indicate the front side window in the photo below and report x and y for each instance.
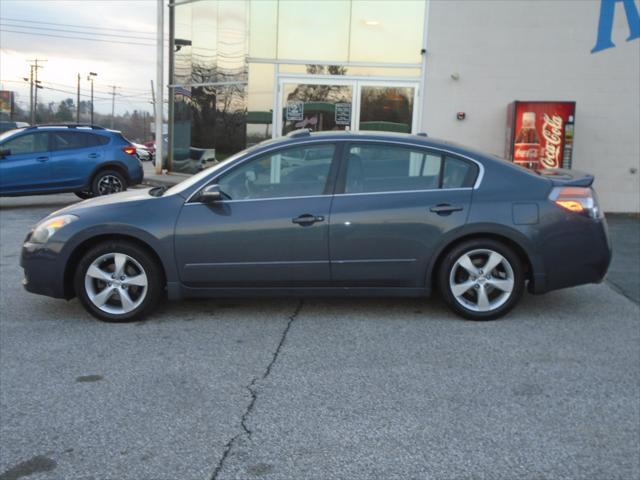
(30, 143)
(293, 172)
(384, 168)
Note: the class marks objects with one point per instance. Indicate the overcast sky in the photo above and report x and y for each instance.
(125, 56)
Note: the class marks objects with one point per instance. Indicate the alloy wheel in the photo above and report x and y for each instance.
(116, 283)
(481, 280)
(109, 184)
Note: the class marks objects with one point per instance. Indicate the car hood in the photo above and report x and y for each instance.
(129, 196)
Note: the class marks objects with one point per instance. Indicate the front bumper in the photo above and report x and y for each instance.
(43, 271)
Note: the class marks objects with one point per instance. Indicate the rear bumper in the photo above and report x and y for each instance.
(576, 253)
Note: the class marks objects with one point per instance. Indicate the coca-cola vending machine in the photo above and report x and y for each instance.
(540, 134)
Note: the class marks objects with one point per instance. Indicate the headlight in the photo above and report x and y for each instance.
(46, 229)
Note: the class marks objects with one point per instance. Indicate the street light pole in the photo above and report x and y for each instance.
(159, 83)
(90, 77)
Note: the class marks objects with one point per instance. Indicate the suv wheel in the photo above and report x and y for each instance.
(481, 279)
(84, 194)
(107, 182)
(118, 282)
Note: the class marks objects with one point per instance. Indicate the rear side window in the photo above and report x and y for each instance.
(97, 140)
(386, 168)
(66, 140)
(458, 173)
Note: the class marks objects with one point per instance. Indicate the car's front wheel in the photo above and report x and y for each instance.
(107, 182)
(118, 282)
(481, 279)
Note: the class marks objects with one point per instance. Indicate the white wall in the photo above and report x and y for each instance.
(538, 50)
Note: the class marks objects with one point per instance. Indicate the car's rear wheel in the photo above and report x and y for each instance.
(481, 279)
(107, 182)
(118, 282)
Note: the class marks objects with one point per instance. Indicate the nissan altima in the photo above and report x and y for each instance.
(329, 214)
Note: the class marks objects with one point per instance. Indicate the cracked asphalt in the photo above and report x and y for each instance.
(315, 389)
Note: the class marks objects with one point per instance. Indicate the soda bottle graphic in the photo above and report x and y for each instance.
(527, 144)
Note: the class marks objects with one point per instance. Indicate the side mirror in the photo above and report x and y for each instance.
(210, 194)
(5, 153)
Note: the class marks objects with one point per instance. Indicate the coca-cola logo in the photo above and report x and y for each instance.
(526, 151)
(552, 133)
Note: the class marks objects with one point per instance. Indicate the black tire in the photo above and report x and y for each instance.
(463, 305)
(84, 194)
(149, 266)
(107, 182)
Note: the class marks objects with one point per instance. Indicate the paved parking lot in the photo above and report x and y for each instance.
(314, 389)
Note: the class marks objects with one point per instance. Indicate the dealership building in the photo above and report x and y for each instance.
(242, 71)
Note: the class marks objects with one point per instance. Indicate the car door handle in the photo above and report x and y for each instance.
(445, 209)
(42, 159)
(94, 155)
(307, 219)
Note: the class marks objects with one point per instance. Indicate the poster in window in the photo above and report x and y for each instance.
(343, 114)
(295, 110)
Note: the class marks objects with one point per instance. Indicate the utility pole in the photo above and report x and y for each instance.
(113, 103)
(31, 111)
(35, 85)
(78, 102)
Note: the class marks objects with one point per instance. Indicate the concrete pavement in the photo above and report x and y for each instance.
(319, 389)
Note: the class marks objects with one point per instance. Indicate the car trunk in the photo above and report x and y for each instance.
(561, 177)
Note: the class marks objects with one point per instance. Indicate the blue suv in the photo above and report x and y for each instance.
(84, 159)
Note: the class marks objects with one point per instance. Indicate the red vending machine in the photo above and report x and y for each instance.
(540, 134)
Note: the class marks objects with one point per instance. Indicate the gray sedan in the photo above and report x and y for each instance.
(333, 214)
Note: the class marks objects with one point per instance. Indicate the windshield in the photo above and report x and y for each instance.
(189, 182)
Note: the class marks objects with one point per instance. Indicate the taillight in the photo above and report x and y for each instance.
(581, 200)
(129, 150)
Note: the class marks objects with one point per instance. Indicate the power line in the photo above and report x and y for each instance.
(75, 25)
(72, 31)
(77, 38)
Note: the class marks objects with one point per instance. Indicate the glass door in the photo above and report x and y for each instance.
(319, 105)
(387, 106)
(322, 104)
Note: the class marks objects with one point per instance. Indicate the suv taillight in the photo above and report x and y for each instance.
(129, 150)
(580, 200)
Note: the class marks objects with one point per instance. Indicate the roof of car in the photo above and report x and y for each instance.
(300, 136)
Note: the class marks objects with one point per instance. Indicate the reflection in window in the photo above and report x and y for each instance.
(294, 172)
(386, 108)
(317, 107)
(209, 125)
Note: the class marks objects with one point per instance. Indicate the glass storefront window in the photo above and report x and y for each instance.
(311, 29)
(375, 31)
(209, 125)
(260, 102)
(316, 106)
(386, 108)
(263, 29)
(386, 31)
(350, 71)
